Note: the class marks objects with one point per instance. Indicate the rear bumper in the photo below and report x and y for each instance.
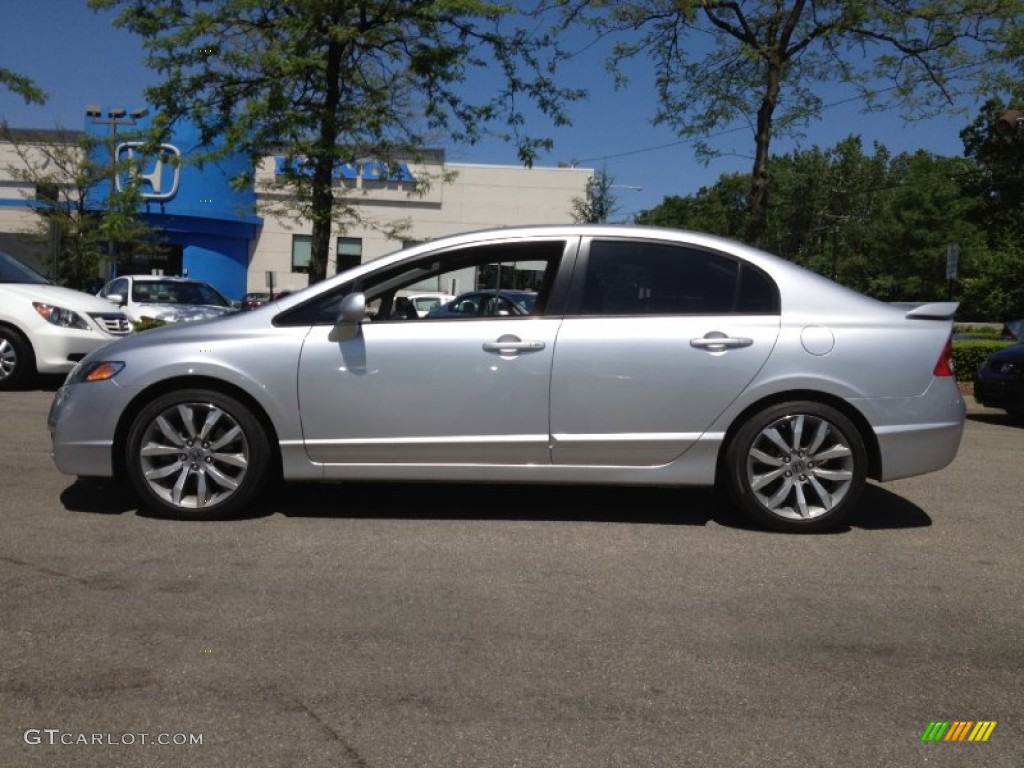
(917, 435)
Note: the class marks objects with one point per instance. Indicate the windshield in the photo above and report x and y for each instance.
(13, 271)
(176, 292)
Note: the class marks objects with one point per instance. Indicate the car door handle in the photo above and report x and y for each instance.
(716, 341)
(509, 344)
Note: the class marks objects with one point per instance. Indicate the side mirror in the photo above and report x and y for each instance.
(115, 298)
(351, 314)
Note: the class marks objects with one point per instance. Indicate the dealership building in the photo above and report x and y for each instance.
(240, 239)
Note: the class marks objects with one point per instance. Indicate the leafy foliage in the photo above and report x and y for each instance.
(22, 86)
(968, 356)
(765, 64)
(330, 83)
(883, 224)
(62, 165)
(599, 203)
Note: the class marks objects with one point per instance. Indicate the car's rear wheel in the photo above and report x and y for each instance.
(17, 362)
(798, 467)
(197, 455)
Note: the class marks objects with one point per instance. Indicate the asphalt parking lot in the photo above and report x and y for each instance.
(384, 626)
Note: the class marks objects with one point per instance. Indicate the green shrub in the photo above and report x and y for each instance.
(979, 330)
(147, 323)
(969, 355)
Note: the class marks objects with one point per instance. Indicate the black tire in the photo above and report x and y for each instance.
(197, 454)
(17, 360)
(797, 467)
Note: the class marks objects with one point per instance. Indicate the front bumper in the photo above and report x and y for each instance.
(82, 428)
(994, 390)
(58, 349)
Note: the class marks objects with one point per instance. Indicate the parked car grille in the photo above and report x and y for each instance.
(113, 323)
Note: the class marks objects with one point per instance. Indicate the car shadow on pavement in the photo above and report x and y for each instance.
(879, 509)
(485, 501)
(98, 497)
(49, 382)
(998, 418)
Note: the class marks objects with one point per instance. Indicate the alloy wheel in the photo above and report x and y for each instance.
(8, 359)
(194, 455)
(800, 467)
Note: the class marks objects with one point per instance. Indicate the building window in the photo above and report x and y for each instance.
(302, 250)
(47, 192)
(349, 253)
(410, 243)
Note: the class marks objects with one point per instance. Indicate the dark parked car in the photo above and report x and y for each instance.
(492, 303)
(999, 382)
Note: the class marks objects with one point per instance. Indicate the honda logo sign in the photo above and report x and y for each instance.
(156, 176)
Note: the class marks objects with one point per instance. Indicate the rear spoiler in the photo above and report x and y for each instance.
(936, 310)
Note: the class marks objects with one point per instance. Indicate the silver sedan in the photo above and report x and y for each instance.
(650, 357)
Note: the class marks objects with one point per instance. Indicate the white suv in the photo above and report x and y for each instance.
(167, 299)
(45, 328)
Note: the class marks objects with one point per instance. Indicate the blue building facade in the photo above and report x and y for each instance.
(207, 227)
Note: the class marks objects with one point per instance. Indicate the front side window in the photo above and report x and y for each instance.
(520, 271)
(118, 287)
(645, 278)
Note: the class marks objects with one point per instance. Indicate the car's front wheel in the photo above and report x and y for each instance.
(798, 467)
(17, 362)
(197, 455)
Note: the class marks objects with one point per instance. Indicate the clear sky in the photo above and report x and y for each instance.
(78, 57)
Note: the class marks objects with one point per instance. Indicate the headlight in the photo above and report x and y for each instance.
(98, 370)
(65, 318)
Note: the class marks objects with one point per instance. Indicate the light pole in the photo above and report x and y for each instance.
(113, 118)
(1010, 121)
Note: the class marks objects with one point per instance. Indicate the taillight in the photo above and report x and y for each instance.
(944, 367)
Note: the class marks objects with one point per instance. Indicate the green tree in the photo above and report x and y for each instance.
(719, 209)
(998, 177)
(825, 199)
(878, 223)
(991, 285)
(22, 86)
(328, 83)
(599, 203)
(765, 64)
(60, 166)
(923, 212)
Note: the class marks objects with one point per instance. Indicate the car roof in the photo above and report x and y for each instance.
(165, 278)
(507, 291)
(805, 290)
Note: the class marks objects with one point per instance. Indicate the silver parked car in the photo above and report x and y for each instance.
(650, 357)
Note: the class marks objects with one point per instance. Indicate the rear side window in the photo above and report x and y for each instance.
(626, 277)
